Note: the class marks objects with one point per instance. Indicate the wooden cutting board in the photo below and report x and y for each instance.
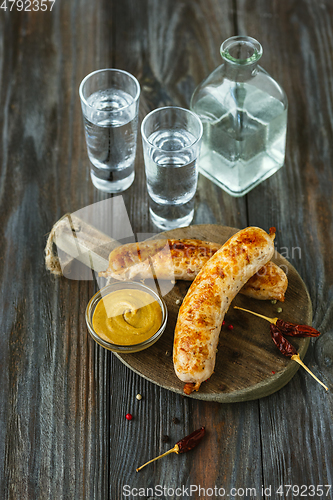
(248, 364)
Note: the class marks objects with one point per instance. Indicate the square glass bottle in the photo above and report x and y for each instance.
(244, 115)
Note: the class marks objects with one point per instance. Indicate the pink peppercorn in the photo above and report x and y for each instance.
(223, 323)
(230, 327)
(129, 416)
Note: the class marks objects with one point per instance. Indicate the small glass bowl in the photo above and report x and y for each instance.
(124, 349)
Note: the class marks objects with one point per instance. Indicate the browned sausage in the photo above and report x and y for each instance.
(182, 260)
(208, 299)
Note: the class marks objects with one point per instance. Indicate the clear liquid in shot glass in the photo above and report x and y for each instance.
(171, 178)
(111, 142)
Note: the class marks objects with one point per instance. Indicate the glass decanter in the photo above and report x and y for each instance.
(244, 115)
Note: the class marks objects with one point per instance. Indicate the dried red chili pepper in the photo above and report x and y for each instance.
(294, 330)
(282, 343)
(284, 346)
(289, 350)
(190, 441)
(286, 327)
(184, 445)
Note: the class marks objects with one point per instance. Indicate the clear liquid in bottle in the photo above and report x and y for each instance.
(244, 116)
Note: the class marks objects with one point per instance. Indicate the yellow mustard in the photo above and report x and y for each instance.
(127, 317)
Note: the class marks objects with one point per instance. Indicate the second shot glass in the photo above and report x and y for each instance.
(171, 138)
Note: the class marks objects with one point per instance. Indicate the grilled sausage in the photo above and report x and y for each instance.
(165, 258)
(208, 299)
(182, 260)
(270, 282)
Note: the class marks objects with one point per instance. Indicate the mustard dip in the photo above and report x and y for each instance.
(127, 317)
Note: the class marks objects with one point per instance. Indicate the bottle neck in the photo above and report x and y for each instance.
(240, 74)
(241, 55)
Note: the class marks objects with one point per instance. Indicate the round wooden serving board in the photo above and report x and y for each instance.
(248, 364)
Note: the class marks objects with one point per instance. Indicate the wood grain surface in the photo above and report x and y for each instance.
(63, 399)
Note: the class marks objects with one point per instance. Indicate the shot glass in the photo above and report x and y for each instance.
(110, 102)
(171, 138)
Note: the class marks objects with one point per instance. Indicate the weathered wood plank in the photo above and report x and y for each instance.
(54, 414)
(63, 399)
(177, 44)
(298, 201)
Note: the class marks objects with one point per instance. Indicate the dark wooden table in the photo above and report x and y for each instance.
(63, 399)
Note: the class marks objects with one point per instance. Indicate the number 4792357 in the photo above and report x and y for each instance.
(27, 5)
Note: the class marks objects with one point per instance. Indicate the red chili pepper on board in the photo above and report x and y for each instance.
(286, 327)
(289, 350)
(184, 445)
(284, 346)
(295, 330)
